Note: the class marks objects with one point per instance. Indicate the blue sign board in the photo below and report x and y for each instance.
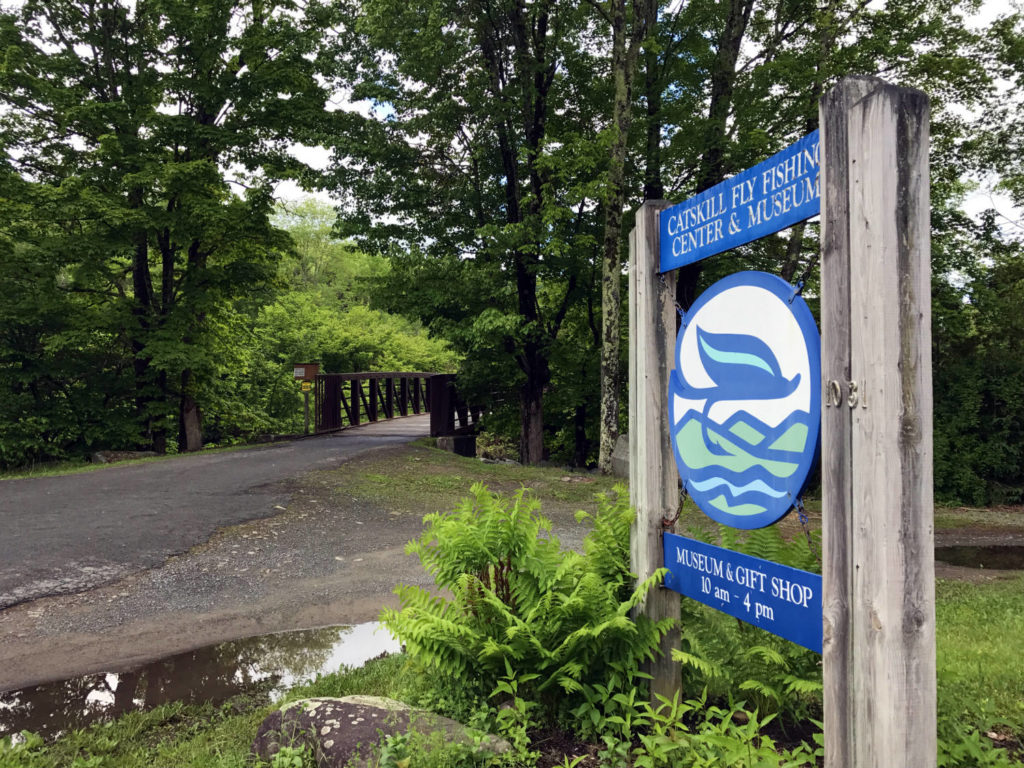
(744, 399)
(773, 195)
(782, 600)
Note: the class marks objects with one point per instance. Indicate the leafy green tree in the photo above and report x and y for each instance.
(469, 173)
(65, 381)
(133, 121)
(630, 24)
(336, 270)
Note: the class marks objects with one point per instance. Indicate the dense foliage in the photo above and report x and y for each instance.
(522, 608)
(73, 393)
(491, 152)
(533, 633)
(140, 255)
(517, 633)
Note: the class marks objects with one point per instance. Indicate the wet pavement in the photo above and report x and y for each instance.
(266, 665)
(327, 560)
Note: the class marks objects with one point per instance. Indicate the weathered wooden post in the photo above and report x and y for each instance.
(355, 391)
(879, 597)
(653, 480)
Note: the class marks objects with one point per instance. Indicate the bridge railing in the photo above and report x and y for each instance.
(450, 414)
(351, 399)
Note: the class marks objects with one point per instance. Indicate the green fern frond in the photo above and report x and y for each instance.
(707, 668)
(766, 654)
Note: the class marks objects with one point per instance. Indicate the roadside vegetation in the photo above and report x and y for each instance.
(486, 160)
(534, 642)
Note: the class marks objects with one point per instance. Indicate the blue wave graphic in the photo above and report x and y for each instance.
(744, 472)
(738, 490)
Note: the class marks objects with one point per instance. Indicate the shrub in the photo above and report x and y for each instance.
(523, 608)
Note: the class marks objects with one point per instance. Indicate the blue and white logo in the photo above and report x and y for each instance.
(745, 399)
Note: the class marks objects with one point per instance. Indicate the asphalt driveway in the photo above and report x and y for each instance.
(66, 534)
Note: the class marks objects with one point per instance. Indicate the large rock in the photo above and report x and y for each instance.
(620, 457)
(343, 732)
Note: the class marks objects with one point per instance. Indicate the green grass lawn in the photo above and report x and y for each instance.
(169, 736)
(979, 661)
(419, 479)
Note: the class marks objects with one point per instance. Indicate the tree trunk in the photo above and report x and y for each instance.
(190, 428)
(142, 289)
(654, 189)
(712, 167)
(623, 70)
(579, 424)
(531, 402)
(520, 52)
(794, 246)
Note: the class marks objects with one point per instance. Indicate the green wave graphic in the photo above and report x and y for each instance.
(794, 439)
(691, 446)
(746, 432)
(743, 510)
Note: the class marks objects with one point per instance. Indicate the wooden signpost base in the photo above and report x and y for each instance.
(653, 479)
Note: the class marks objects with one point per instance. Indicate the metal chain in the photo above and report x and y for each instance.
(802, 280)
(679, 307)
(802, 514)
(666, 522)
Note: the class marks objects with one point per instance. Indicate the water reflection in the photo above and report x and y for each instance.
(268, 664)
(998, 557)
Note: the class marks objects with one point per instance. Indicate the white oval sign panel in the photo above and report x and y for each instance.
(745, 400)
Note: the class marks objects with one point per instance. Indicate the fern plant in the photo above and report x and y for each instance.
(510, 599)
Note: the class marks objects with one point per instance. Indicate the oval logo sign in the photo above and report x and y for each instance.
(745, 399)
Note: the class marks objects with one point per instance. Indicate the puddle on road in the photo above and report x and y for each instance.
(1004, 558)
(268, 664)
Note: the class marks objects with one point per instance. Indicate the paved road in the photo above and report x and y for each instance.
(61, 535)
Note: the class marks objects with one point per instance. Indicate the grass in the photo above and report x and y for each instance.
(389, 677)
(1009, 519)
(419, 479)
(54, 469)
(206, 736)
(980, 666)
(197, 736)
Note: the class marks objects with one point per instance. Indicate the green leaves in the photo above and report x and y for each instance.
(523, 609)
(121, 124)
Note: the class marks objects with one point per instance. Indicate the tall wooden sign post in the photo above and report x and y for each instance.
(877, 601)
(653, 481)
(877, 514)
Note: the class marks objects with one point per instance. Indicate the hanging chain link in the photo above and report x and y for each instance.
(802, 280)
(668, 522)
(802, 514)
(664, 284)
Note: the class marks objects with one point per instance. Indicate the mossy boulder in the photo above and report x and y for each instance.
(347, 731)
